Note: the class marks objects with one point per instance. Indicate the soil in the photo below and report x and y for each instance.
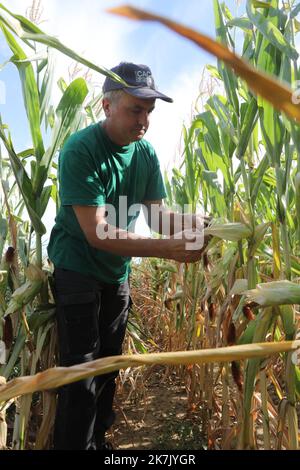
(154, 414)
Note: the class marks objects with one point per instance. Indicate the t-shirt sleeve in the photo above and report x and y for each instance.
(155, 188)
(79, 180)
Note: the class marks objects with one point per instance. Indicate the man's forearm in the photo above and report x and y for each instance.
(167, 222)
(172, 222)
(123, 243)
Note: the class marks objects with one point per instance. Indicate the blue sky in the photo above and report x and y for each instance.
(176, 63)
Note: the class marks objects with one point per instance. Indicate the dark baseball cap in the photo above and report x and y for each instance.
(140, 80)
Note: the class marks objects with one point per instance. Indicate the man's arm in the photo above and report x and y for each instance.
(166, 222)
(120, 242)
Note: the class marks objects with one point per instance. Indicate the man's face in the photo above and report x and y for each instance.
(128, 117)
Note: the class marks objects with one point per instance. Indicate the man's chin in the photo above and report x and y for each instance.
(138, 137)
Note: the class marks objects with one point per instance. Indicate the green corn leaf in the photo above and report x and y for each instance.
(24, 185)
(295, 11)
(219, 105)
(260, 4)
(270, 31)
(26, 153)
(286, 73)
(226, 12)
(68, 113)
(248, 126)
(44, 199)
(22, 23)
(218, 204)
(214, 72)
(272, 132)
(53, 42)
(3, 234)
(42, 64)
(257, 178)
(212, 135)
(248, 334)
(7, 369)
(243, 23)
(229, 79)
(46, 88)
(30, 92)
(287, 314)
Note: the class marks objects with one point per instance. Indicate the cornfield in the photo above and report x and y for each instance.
(228, 324)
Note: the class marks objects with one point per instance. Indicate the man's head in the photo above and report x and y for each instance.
(139, 80)
(127, 109)
(127, 117)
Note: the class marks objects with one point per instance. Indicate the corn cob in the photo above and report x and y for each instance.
(26, 293)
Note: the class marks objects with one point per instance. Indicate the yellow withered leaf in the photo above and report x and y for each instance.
(58, 376)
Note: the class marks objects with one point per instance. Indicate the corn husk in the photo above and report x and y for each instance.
(26, 293)
(274, 293)
(259, 234)
(233, 231)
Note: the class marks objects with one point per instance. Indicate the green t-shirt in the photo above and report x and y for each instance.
(93, 171)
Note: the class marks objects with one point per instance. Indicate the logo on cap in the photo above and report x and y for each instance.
(144, 77)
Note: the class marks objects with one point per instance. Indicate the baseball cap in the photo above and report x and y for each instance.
(140, 80)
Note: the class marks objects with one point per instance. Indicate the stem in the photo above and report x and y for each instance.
(39, 259)
(247, 190)
(286, 250)
(265, 414)
(29, 244)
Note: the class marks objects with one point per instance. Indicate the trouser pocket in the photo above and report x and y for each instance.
(78, 327)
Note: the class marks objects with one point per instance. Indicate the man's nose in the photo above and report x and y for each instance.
(144, 119)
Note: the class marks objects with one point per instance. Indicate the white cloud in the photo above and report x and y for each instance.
(168, 119)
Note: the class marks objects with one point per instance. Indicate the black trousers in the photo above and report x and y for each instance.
(91, 322)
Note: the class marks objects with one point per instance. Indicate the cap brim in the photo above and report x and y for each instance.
(147, 94)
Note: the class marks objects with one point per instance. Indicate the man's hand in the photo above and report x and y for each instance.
(186, 246)
(201, 221)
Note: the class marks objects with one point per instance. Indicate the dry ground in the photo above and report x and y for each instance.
(154, 414)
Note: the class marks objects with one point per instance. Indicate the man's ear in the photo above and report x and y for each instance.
(106, 105)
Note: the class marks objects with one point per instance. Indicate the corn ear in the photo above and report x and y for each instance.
(26, 293)
(233, 231)
(259, 233)
(274, 293)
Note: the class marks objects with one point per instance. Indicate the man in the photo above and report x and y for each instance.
(103, 170)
